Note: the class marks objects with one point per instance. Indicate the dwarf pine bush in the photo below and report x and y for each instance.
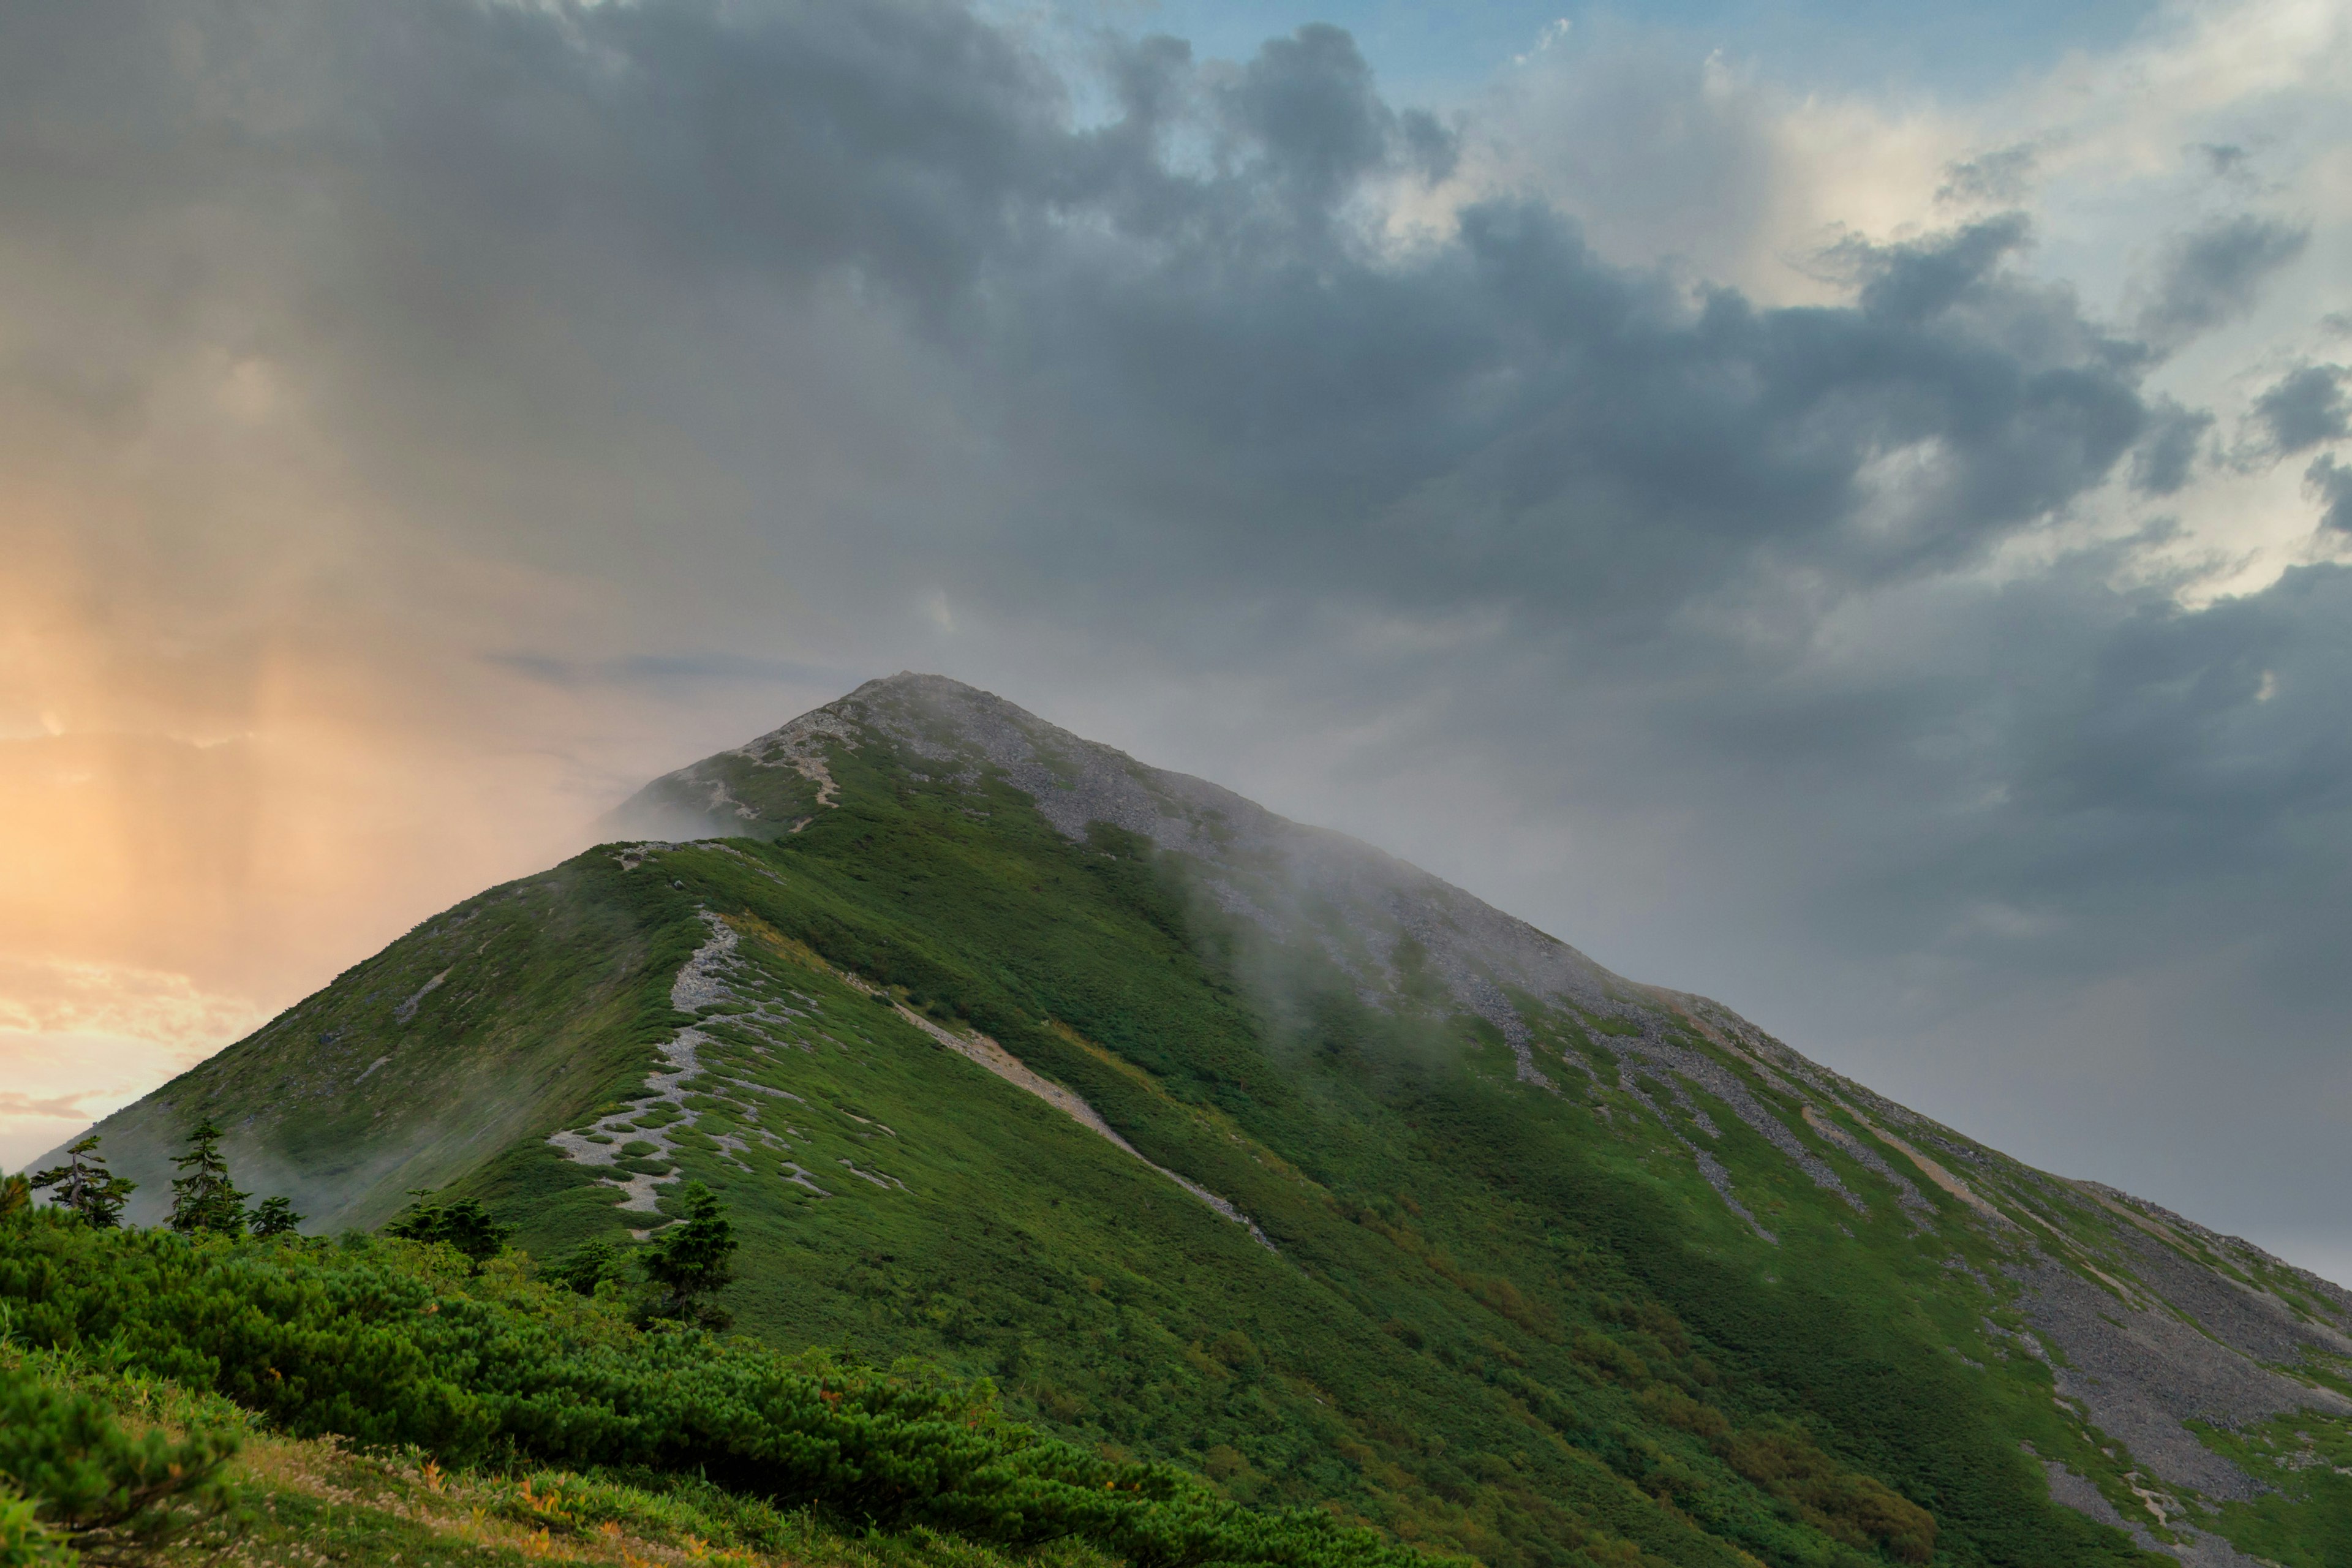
(390, 1343)
(25, 1541)
(73, 1481)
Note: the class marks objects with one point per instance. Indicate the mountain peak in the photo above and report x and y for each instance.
(1364, 908)
(1217, 1136)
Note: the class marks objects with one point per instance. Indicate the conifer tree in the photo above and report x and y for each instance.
(15, 1197)
(275, 1216)
(587, 1266)
(84, 1184)
(691, 1262)
(204, 1199)
(465, 1225)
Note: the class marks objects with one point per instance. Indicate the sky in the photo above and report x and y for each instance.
(1839, 508)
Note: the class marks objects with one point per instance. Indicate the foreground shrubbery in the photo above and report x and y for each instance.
(319, 1501)
(75, 1483)
(390, 1343)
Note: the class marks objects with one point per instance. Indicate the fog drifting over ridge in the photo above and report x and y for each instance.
(1880, 564)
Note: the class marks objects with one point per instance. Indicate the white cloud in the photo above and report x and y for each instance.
(2211, 113)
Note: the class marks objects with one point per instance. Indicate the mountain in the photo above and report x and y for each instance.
(1215, 1138)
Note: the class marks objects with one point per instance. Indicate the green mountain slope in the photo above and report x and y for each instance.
(1217, 1139)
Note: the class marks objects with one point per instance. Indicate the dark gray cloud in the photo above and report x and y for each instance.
(1739, 643)
(2224, 160)
(2213, 274)
(2332, 481)
(2167, 454)
(1308, 105)
(2003, 176)
(1178, 296)
(2304, 409)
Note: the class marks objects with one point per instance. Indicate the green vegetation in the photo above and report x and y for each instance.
(397, 1344)
(1484, 1319)
(2305, 1520)
(1483, 1327)
(690, 1263)
(275, 1216)
(388, 1083)
(85, 1185)
(74, 1482)
(264, 1499)
(463, 1226)
(204, 1199)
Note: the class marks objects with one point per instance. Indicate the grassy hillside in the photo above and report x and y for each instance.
(1547, 1273)
(478, 1031)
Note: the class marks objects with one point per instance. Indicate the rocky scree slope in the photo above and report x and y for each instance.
(1218, 1138)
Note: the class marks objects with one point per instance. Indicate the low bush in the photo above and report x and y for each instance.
(74, 1482)
(388, 1342)
(1845, 1507)
(25, 1541)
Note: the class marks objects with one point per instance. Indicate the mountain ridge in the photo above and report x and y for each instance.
(1296, 1028)
(1097, 783)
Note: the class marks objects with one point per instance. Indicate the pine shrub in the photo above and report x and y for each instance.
(82, 1484)
(25, 1541)
(387, 1343)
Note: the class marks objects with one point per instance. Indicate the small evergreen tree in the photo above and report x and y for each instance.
(464, 1224)
(587, 1266)
(691, 1262)
(15, 1197)
(84, 1184)
(204, 1199)
(275, 1216)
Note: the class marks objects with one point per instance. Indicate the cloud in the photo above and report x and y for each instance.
(2213, 274)
(1307, 101)
(1633, 494)
(670, 671)
(1659, 154)
(2332, 481)
(63, 996)
(55, 1106)
(1188, 316)
(2304, 409)
(2167, 454)
(2225, 160)
(2002, 177)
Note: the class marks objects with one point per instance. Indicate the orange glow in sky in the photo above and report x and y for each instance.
(198, 830)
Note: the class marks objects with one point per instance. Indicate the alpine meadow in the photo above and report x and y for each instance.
(923, 1136)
